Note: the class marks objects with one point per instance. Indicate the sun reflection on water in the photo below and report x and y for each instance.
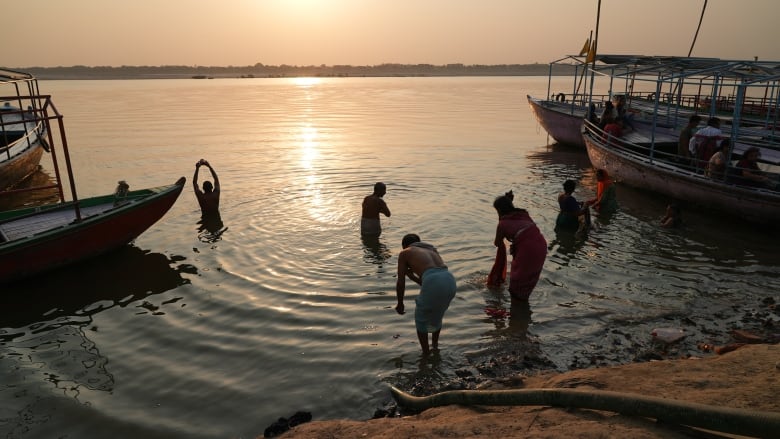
(306, 82)
(310, 152)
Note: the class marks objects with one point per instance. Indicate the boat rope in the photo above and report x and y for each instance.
(723, 419)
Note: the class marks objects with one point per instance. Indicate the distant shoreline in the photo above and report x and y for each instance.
(285, 71)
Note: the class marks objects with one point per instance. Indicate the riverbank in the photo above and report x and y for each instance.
(286, 71)
(747, 378)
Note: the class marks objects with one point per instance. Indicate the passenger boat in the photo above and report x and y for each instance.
(39, 238)
(22, 141)
(598, 81)
(650, 160)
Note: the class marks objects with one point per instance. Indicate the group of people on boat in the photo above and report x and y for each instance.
(615, 119)
(709, 152)
(706, 150)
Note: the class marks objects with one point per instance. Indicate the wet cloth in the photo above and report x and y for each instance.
(497, 274)
(436, 293)
(370, 226)
(529, 251)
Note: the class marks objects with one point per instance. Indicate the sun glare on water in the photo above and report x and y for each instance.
(306, 82)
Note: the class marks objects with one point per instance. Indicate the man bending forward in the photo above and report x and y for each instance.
(422, 264)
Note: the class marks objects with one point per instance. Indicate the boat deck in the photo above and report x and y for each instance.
(34, 224)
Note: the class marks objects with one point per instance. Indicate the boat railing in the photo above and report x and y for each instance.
(692, 166)
(18, 130)
(42, 111)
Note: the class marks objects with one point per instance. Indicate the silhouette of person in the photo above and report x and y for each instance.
(208, 198)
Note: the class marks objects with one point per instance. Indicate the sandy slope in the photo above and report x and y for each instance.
(748, 378)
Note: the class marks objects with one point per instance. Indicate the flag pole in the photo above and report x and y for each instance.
(593, 47)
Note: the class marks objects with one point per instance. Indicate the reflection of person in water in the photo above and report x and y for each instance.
(374, 251)
(210, 227)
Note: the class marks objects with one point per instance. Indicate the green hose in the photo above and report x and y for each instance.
(723, 419)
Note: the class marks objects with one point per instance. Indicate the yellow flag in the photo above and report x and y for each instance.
(586, 48)
(591, 54)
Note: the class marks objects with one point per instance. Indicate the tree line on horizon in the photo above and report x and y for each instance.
(267, 71)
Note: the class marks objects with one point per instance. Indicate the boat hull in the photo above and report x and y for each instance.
(640, 171)
(19, 166)
(562, 122)
(90, 237)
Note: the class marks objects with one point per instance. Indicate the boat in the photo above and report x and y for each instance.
(38, 238)
(601, 78)
(650, 160)
(22, 136)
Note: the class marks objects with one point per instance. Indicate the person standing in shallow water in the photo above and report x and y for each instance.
(421, 262)
(208, 198)
(373, 205)
(528, 248)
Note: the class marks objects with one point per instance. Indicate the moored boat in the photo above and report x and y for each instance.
(39, 238)
(22, 134)
(655, 163)
(561, 121)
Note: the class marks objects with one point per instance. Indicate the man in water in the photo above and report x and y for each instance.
(421, 262)
(373, 205)
(208, 198)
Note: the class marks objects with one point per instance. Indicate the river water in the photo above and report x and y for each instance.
(193, 334)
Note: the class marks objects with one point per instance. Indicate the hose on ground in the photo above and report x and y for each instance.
(723, 419)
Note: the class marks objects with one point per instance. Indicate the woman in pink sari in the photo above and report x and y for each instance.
(528, 248)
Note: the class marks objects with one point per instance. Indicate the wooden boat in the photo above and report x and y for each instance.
(562, 121)
(22, 137)
(39, 238)
(44, 237)
(562, 114)
(650, 161)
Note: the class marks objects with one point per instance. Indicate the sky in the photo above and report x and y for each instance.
(48, 33)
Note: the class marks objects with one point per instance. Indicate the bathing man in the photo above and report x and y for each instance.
(421, 262)
(373, 205)
(208, 198)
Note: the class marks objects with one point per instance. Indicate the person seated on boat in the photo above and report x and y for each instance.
(686, 135)
(626, 118)
(573, 214)
(606, 197)
(673, 218)
(716, 167)
(747, 172)
(705, 142)
(609, 114)
(208, 198)
(613, 129)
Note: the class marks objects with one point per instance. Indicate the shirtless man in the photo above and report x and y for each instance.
(373, 205)
(208, 198)
(422, 264)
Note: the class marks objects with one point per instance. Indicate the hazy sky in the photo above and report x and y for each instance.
(367, 32)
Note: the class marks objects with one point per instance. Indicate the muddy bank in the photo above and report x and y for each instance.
(748, 378)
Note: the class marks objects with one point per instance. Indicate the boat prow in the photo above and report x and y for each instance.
(41, 238)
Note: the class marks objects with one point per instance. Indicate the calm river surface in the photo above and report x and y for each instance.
(186, 334)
